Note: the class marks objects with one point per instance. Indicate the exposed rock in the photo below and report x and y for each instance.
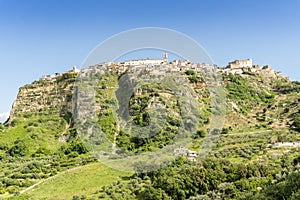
(51, 96)
(235, 107)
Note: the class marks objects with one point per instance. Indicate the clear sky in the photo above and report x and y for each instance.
(43, 37)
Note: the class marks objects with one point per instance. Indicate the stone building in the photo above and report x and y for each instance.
(240, 64)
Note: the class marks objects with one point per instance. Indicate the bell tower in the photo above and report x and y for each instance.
(165, 57)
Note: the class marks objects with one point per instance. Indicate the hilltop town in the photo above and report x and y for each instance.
(41, 137)
(163, 66)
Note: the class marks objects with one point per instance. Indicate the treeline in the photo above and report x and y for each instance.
(210, 178)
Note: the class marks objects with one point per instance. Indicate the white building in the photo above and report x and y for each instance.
(234, 71)
(191, 153)
(148, 61)
(182, 151)
(74, 70)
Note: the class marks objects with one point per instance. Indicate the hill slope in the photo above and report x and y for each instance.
(41, 139)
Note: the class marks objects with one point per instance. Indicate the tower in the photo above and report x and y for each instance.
(165, 57)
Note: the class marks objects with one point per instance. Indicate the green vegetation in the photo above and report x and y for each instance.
(30, 152)
(69, 77)
(20, 139)
(77, 182)
(285, 87)
(286, 188)
(106, 98)
(190, 72)
(192, 76)
(160, 134)
(295, 124)
(212, 178)
(245, 94)
(41, 145)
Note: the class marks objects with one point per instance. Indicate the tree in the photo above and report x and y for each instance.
(225, 130)
(193, 79)
(18, 149)
(200, 134)
(79, 147)
(296, 124)
(152, 193)
(190, 72)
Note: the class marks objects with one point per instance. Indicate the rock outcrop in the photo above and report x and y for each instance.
(45, 96)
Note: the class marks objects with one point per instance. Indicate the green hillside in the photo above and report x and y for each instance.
(78, 181)
(255, 152)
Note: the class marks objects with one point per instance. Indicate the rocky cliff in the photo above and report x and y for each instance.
(45, 96)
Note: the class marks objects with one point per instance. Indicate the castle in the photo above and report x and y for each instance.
(240, 64)
(246, 66)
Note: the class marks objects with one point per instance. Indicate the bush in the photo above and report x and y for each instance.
(74, 148)
(12, 189)
(66, 76)
(1, 126)
(200, 134)
(193, 79)
(15, 122)
(190, 72)
(296, 124)
(18, 149)
(76, 197)
(78, 147)
(225, 131)
(41, 151)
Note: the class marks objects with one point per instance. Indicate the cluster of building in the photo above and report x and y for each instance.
(244, 66)
(151, 66)
(163, 66)
(183, 151)
(158, 66)
(146, 61)
(54, 76)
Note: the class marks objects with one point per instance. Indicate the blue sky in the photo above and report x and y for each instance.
(44, 37)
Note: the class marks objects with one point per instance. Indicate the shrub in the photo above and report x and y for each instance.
(296, 124)
(76, 197)
(41, 151)
(74, 148)
(200, 134)
(225, 131)
(15, 122)
(12, 189)
(193, 79)
(18, 149)
(190, 72)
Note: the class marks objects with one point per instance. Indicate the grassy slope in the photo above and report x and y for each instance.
(36, 132)
(78, 181)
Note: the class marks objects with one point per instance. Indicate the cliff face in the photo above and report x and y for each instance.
(52, 95)
(45, 96)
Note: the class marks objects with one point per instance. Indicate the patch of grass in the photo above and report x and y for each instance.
(36, 132)
(78, 181)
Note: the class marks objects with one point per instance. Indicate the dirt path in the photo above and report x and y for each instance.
(251, 132)
(115, 139)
